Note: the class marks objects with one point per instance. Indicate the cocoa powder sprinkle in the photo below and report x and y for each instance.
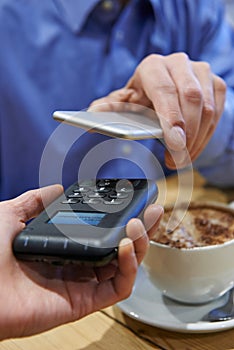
(199, 227)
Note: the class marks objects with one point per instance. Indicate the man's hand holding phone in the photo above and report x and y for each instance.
(186, 95)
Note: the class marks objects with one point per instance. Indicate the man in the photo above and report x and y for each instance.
(169, 55)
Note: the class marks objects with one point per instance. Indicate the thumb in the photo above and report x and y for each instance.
(17, 211)
(31, 203)
(114, 102)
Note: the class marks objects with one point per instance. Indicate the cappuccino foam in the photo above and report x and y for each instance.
(200, 226)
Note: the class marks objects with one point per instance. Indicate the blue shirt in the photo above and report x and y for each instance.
(63, 54)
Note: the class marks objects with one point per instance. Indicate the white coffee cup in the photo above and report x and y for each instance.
(192, 275)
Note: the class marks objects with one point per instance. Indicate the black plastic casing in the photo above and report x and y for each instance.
(82, 244)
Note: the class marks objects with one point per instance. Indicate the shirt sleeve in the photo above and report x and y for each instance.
(216, 163)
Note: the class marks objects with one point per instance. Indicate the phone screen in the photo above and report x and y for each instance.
(76, 218)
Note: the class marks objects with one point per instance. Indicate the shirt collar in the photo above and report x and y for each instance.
(76, 11)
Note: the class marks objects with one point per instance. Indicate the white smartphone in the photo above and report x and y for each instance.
(125, 125)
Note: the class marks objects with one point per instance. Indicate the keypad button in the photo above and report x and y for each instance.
(87, 183)
(119, 195)
(103, 189)
(124, 186)
(70, 201)
(96, 195)
(91, 201)
(105, 182)
(136, 182)
(113, 202)
(81, 189)
(125, 190)
(75, 195)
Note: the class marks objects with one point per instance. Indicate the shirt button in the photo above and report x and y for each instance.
(107, 5)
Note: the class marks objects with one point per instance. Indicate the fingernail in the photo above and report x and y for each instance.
(125, 241)
(136, 229)
(177, 138)
(155, 213)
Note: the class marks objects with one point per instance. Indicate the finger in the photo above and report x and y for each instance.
(219, 87)
(177, 160)
(106, 272)
(190, 94)
(136, 231)
(112, 102)
(122, 100)
(220, 90)
(208, 115)
(138, 95)
(152, 217)
(213, 91)
(104, 104)
(153, 77)
(31, 203)
(130, 254)
(118, 288)
(127, 267)
(197, 104)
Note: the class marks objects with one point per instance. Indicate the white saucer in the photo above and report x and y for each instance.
(148, 305)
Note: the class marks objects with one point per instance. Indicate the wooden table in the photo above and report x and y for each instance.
(110, 329)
